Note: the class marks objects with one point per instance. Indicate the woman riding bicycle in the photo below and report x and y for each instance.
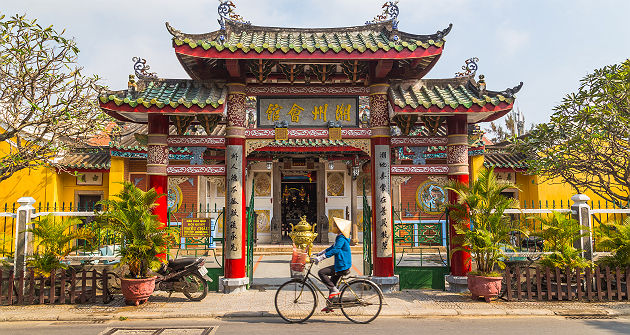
(343, 257)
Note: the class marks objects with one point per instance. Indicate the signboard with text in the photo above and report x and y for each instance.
(308, 112)
(195, 227)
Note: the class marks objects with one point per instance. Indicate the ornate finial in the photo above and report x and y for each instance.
(470, 68)
(390, 12)
(141, 68)
(482, 84)
(227, 13)
(509, 93)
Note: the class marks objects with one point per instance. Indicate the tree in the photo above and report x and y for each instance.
(587, 141)
(514, 126)
(47, 106)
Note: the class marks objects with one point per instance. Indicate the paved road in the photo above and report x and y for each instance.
(383, 325)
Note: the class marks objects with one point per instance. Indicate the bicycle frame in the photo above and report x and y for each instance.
(307, 279)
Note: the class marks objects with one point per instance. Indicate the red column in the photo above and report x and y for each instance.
(157, 160)
(382, 220)
(457, 160)
(235, 218)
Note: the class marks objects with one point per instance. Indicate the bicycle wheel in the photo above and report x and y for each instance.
(295, 301)
(195, 287)
(361, 301)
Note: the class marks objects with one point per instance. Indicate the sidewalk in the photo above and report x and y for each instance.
(255, 303)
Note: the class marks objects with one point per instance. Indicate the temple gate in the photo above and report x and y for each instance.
(311, 115)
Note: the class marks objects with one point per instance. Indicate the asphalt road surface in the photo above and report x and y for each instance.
(329, 325)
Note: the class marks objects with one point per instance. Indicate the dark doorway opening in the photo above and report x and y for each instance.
(299, 198)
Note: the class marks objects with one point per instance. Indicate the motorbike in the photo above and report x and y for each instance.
(186, 275)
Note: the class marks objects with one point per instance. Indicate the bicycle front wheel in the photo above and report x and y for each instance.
(361, 301)
(295, 301)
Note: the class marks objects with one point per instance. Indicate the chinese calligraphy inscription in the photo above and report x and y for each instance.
(315, 111)
(234, 203)
(383, 202)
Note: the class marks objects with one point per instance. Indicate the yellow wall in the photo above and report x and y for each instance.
(116, 175)
(39, 183)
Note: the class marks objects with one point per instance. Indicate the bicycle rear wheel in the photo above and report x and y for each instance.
(361, 301)
(295, 301)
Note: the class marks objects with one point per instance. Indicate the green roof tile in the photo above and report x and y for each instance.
(161, 92)
(453, 92)
(249, 38)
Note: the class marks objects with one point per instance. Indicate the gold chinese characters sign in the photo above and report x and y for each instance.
(195, 228)
(307, 112)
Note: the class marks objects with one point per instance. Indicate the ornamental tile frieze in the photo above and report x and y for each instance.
(157, 154)
(419, 169)
(306, 90)
(196, 170)
(308, 133)
(419, 141)
(236, 110)
(379, 116)
(190, 141)
(457, 154)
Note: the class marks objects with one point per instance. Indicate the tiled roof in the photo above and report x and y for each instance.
(454, 92)
(87, 159)
(170, 92)
(255, 39)
(505, 160)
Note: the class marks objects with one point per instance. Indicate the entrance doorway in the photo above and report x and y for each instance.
(299, 198)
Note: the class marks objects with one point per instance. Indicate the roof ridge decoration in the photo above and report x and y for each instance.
(390, 13)
(142, 69)
(227, 14)
(470, 68)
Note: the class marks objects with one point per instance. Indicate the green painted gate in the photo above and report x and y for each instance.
(421, 252)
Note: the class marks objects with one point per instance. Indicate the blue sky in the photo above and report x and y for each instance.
(549, 45)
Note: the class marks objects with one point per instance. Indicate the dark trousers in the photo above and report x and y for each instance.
(330, 277)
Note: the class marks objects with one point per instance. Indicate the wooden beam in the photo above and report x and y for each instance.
(233, 68)
(383, 67)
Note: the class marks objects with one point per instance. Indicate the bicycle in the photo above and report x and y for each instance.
(360, 301)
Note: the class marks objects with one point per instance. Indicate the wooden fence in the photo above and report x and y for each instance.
(61, 287)
(538, 283)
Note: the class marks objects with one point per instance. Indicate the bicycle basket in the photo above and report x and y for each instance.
(298, 263)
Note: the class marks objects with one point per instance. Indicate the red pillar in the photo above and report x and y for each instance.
(382, 219)
(457, 160)
(235, 218)
(157, 160)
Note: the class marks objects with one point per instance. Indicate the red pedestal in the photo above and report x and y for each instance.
(460, 260)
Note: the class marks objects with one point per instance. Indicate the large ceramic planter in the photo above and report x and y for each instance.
(486, 287)
(137, 291)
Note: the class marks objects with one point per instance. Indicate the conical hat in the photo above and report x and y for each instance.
(343, 225)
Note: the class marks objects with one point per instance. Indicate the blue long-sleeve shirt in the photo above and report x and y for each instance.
(341, 251)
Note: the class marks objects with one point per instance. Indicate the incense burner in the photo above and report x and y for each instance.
(303, 234)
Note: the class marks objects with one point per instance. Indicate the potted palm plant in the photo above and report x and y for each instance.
(142, 239)
(484, 229)
(55, 242)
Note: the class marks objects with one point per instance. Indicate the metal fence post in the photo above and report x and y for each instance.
(581, 212)
(23, 239)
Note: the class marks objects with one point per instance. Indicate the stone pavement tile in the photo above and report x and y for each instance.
(533, 312)
(420, 312)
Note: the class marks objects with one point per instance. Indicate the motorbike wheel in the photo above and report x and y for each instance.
(195, 287)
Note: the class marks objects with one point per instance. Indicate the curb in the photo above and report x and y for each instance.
(417, 313)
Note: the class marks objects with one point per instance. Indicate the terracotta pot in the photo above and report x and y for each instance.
(486, 287)
(137, 291)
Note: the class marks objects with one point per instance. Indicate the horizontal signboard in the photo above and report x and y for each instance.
(308, 112)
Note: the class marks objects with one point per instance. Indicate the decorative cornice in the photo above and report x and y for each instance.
(306, 90)
(419, 169)
(195, 170)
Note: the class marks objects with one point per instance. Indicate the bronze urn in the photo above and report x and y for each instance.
(303, 234)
